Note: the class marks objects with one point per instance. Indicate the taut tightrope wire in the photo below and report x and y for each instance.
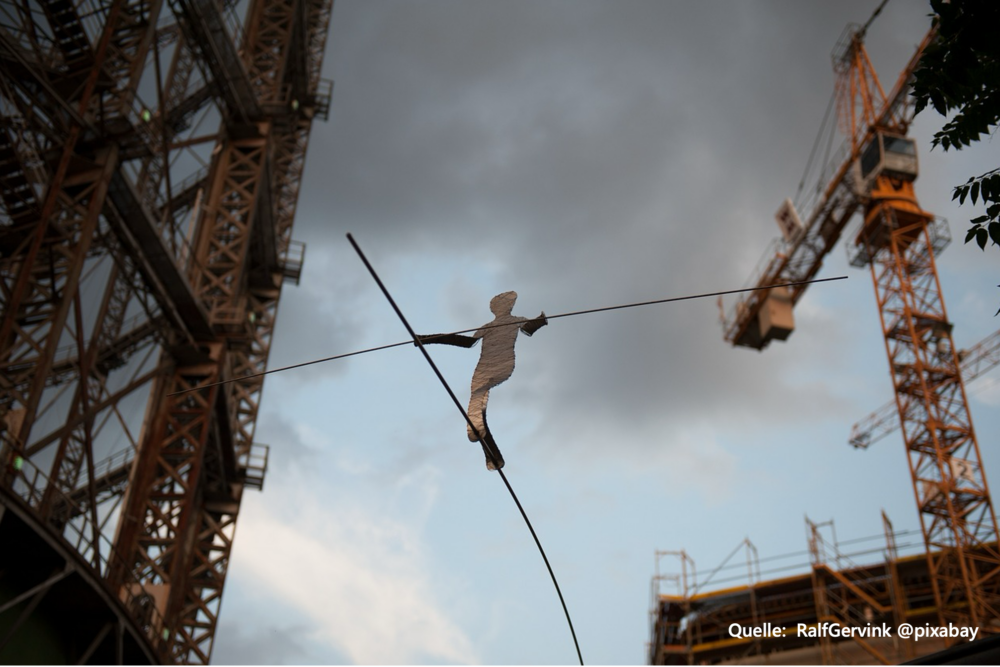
(551, 317)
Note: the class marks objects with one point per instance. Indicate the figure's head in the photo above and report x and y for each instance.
(502, 304)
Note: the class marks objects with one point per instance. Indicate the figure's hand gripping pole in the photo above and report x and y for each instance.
(531, 326)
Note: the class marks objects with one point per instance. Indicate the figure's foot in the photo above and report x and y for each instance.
(472, 434)
(490, 465)
(494, 459)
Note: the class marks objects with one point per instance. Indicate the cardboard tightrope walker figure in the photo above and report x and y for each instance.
(496, 363)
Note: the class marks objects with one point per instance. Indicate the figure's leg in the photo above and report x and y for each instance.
(494, 459)
(477, 412)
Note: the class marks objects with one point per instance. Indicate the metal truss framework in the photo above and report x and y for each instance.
(150, 160)
(975, 361)
(899, 240)
(956, 511)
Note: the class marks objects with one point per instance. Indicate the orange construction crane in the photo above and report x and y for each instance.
(898, 241)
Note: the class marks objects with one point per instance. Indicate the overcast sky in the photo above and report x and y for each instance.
(583, 154)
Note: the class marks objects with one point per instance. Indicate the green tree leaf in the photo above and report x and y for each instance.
(958, 77)
(994, 229)
(994, 181)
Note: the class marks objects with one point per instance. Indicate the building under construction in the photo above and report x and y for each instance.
(955, 580)
(868, 593)
(151, 153)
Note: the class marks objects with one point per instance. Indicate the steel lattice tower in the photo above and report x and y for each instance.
(899, 240)
(151, 155)
(952, 494)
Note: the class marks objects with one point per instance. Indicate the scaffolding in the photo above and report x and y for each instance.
(849, 584)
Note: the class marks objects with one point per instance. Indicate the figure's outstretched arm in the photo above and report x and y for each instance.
(457, 340)
(531, 326)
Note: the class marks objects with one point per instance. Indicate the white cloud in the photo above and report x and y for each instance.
(986, 390)
(359, 575)
(688, 457)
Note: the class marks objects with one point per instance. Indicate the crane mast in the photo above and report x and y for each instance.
(977, 360)
(898, 240)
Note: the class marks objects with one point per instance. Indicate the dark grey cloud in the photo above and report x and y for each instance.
(320, 317)
(598, 153)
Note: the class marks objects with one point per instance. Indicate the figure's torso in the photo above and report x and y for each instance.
(499, 337)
